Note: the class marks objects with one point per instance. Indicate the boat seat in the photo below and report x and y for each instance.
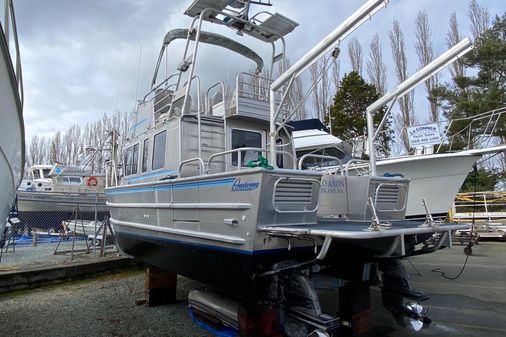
(178, 101)
(162, 100)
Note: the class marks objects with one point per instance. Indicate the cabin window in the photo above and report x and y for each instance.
(159, 151)
(131, 159)
(242, 138)
(311, 162)
(145, 153)
(74, 180)
(69, 180)
(45, 173)
(135, 159)
(36, 174)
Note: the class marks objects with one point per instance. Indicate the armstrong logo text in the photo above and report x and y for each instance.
(241, 187)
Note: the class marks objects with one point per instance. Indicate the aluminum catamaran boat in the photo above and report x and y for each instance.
(12, 138)
(211, 189)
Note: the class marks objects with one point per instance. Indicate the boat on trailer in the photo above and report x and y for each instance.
(211, 190)
(12, 137)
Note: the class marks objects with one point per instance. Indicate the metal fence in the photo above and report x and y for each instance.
(51, 234)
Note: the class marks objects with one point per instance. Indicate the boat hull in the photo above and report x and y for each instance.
(12, 136)
(205, 227)
(47, 210)
(437, 178)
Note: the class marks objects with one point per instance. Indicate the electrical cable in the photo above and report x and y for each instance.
(470, 244)
(414, 268)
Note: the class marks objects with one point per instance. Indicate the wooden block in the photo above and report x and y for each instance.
(160, 286)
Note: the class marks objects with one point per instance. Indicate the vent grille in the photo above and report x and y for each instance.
(294, 191)
(388, 196)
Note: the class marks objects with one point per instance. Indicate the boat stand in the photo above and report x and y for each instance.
(75, 217)
(160, 287)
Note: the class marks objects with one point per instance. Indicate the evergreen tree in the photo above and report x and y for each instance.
(348, 112)
(485, 91)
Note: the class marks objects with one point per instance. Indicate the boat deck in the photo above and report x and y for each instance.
(360, 229)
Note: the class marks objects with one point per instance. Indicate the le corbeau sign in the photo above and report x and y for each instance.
(421, 135)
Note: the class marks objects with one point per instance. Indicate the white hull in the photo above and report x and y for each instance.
(12, 135)
(437, 178)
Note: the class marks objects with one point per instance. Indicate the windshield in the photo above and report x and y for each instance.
(311, 162)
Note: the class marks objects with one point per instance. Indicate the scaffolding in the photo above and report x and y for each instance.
(486, 210)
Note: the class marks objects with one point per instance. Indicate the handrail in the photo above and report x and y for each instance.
(159, 85)
(356, 167)
(206, 103)
(201, 162)
(239, 159)
(490, 115)
(311, 155)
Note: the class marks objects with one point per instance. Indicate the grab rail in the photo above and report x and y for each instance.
(201, 162)
(311, 155)
(357, 165)
(239, 159)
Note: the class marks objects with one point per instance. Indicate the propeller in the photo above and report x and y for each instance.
(318, 333)
(417, 315)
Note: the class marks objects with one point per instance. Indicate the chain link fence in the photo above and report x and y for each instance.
(40, 233)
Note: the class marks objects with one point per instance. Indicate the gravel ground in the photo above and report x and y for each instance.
(27, 256)
(103, 307)
(474, 305)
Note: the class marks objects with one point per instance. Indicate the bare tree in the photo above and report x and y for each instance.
(407, 117)
(376, 69)
(55, 149)
(452, 38)
(423, 47)
(355, 54)
(321, 97)
(335, 75)
(479, 17)
(296, 95)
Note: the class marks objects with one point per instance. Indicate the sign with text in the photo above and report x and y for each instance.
(421, 135)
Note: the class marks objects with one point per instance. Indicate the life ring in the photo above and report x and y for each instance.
(91, 181)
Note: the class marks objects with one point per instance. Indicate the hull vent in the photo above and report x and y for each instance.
(294, 192)
(388, 197)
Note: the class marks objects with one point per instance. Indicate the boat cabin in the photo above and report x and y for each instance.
(184, 130)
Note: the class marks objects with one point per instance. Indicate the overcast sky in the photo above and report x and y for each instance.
(80, 58)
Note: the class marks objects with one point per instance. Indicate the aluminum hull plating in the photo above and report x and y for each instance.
(12, 135)
(201, 225)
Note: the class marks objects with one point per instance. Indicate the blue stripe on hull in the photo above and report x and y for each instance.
(211, 183)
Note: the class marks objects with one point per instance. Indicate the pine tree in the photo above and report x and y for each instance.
(348, 112)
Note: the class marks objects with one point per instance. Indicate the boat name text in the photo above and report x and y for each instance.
(241, 187)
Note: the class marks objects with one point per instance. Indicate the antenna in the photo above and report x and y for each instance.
(138, 77)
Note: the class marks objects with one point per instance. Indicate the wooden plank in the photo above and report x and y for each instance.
(160, 286)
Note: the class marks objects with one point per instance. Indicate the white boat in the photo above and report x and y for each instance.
(12, 138)
(437, 178)
(56, 193)
(198, 198)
